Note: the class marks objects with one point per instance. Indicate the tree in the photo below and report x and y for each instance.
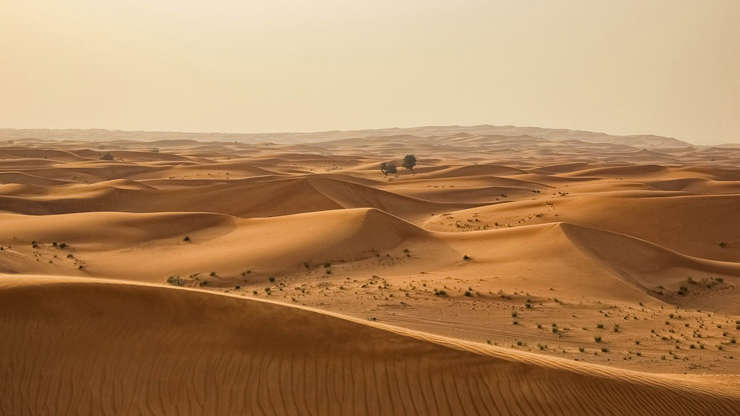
(409, 161)
(388, 167)
(107, 156)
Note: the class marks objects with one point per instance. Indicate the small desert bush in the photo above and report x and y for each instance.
(176, 281)
(440, 293)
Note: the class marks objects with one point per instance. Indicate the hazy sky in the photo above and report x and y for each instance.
(669, 67)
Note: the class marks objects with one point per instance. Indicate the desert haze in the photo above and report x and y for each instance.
(500, 270)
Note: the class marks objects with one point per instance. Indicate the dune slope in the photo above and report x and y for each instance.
(103, 347)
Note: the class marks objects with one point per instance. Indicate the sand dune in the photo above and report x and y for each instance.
(245, 198)
(658, 219)
(216, 242)
(96, 347)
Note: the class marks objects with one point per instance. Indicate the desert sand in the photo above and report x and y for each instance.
(511, 271)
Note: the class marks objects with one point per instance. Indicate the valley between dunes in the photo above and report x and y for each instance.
(513, 271)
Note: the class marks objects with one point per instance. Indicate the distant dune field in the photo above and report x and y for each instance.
(512, 271)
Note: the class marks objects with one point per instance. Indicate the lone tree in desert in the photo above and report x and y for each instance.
(388, 167)
(409, 161)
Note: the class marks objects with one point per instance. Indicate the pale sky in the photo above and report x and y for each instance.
(668, 67)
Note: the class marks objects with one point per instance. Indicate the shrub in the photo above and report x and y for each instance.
(388, 167)
(271, 279)
(107, 156)
(597, 338)
(186, 239)
(722, 244)
(600, 326)
(468, 293)
(466, 257)
(409, 161)
(176, 281)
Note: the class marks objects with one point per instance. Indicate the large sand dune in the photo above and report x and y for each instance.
(97, 347)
